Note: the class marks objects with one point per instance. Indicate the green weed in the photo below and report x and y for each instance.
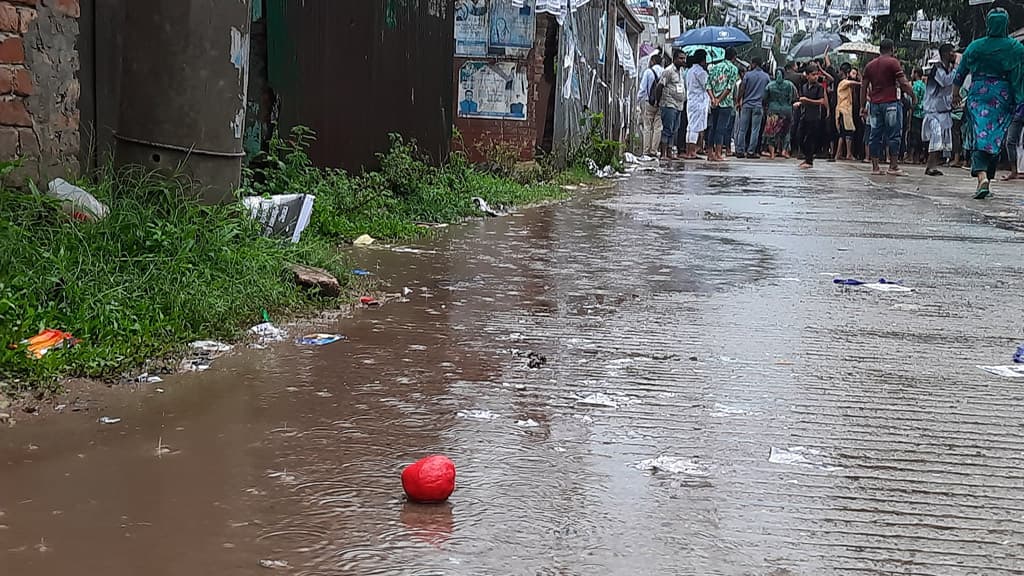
(157, 273)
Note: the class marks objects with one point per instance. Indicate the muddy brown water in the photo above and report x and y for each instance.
(803, 429)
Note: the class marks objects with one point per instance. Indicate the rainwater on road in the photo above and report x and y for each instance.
(712, 404)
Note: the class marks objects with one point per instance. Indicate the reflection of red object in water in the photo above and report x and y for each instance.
(432, 479)
(429, 523)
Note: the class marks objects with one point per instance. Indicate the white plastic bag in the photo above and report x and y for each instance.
(76, 202)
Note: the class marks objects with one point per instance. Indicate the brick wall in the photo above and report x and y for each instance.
(39, 116)
(477, 132)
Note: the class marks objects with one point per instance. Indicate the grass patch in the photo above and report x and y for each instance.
(160, 271)
(157, 273)
(389, 203)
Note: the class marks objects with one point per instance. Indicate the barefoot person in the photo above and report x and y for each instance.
(882, 107)
(846, 122)
(698, 102)
(724, 78)
(813, 106)
(937, 128)
(996, 66)
(780, 96)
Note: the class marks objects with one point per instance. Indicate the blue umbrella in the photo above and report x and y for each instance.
(720, 36)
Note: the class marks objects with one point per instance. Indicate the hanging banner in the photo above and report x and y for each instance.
(512, 27)
(786, 43)
(625, 52)
(979, 2)
(922, 31)
(768, 37)
(878, 7)
(470, 27)
(814, 7)
(494, 90)
(754, 26)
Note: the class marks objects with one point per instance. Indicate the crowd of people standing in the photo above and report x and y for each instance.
(964, 109)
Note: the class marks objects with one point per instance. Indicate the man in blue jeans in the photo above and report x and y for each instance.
(751, 109)
(722, 80)
(883, 109)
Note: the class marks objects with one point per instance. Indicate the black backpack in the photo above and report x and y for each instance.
(656, 91)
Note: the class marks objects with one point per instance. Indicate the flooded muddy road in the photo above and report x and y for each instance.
(712, 404)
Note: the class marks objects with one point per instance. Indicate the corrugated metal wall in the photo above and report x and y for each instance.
(357, 71)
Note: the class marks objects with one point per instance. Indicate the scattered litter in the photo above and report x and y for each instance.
(59, 407)
(888, 287)
(274, 564)
(1012, 371)
(723, 411)
(1018, 356)
(672, 465)
(47, 340)
(160, 390)
(801, 456)
(476, 414)
(76, 202)
(361, 272)
(600, 400)
(267, 332)
(430, 480)
(108, 420)
(364, 240)
(482, 206)
(324, 394)
(528, 423)
(194, 365)
(406, 291)
(535, 361)
(284, 215)
(319, 339)
(210, 347)
(431, 225)
(630, 158)
(369, 302)
(145, 378)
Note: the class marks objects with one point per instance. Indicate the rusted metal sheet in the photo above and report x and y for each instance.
(356, 71)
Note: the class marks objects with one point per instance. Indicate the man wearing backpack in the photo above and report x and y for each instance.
(650, 106)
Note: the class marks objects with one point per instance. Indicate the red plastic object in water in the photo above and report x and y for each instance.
(432, 479)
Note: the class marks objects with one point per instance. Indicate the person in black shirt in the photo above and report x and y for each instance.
(813, 106)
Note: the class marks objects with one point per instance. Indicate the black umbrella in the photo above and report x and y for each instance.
(815, 45)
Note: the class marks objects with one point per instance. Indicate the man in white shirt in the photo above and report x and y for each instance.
(650, 106)
(937, 128)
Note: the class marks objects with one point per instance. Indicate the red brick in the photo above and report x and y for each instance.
(6, 80)
(12, 51)
(14, 113)
(8, 143)
(22, 82)
(26, 17)
(70, 8)
(9, 19)
(28, 142)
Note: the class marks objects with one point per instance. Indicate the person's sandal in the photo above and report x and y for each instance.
(983, 190)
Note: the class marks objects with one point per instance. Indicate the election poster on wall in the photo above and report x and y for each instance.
(495, 90)
(512, 27)
(470, 27)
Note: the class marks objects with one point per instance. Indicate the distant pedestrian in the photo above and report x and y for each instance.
(937, 127)
(752, 90)
(650, 105)
(698, 101)
(882, 107)
(813, 106)
(780, 95)
(723, 81)
(997, 87)
(673, 101)
(916, 142)
(1013, 142)
(846, 124)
